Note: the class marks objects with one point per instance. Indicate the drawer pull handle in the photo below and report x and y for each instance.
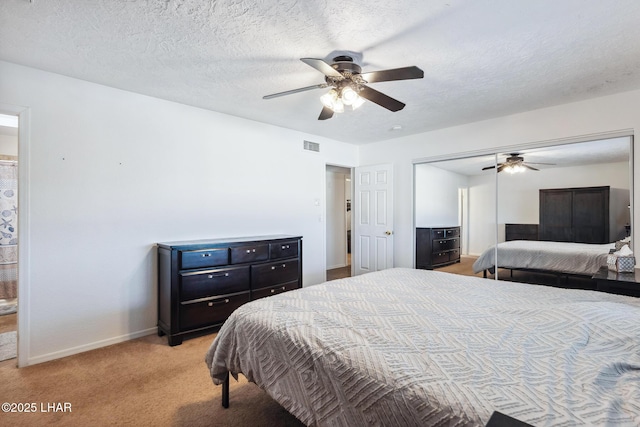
(285, 246)
(251, 250)
(211, 276)
(206, 255)
(226, 300)
(273, 267)
(283, 288)
(273, 291)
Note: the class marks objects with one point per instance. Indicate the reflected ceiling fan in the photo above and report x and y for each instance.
(349, 85)
(515, 163)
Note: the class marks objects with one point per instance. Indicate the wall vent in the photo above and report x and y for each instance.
(311, 146)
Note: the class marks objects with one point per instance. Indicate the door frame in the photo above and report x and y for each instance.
(24, 228)
(326, 221)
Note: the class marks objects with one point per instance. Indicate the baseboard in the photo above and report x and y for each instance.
(91, 346)
(333, 267)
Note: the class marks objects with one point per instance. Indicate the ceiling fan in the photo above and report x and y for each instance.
(349, 85)
(515, 163)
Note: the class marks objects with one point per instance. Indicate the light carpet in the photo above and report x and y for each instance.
(8, 345)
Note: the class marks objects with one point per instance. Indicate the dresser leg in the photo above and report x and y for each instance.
(225, 392)
(173, 341)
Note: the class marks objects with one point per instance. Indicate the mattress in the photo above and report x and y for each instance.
(560, 257)
(418, 348)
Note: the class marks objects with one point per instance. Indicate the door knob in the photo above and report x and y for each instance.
(388, 233)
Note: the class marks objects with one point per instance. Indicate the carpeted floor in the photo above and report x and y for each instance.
(339, 273)
(142, 382)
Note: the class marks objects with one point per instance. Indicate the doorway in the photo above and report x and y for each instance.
(8, 236)
(338, 222)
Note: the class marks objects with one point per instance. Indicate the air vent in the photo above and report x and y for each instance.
(311, 146)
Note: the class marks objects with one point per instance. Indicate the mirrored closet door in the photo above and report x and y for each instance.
(505, 205)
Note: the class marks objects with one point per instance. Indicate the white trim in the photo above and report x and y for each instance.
(24, 233)
(91, 346)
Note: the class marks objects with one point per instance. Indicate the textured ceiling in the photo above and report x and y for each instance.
(481, 58)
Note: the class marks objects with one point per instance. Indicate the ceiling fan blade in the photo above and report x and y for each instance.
(322, 66)
(530, 167)
(289, 92)
(488, 167)
(326, 113)
(381, 99)
(535, 163)
(405, 73)
(501, 167)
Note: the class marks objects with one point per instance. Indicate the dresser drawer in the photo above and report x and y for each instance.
(440, 257)
(203, 258)
(274, 273)
(283, 249)
(209, 312)
(201, 284)
(274, 290)
(452, 232)
(445, 244)
(242, 254)
(437, 233)
(454, 255)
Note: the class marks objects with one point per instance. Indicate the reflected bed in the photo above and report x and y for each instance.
(555, 257)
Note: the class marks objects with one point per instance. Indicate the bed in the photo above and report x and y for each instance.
(418, 348)
(553, 257)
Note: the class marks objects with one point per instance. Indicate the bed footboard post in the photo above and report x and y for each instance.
(225, 392)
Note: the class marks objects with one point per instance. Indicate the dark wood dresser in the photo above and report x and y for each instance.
(201, 282)
(437, 247)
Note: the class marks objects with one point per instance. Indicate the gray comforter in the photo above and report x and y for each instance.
(560, 257)
(415, 347)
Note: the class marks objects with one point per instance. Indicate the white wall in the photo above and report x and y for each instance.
(437, 202)
(112, 172)
(593, 118)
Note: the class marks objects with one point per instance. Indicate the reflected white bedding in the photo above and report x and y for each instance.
(559, 257)
(418, 348)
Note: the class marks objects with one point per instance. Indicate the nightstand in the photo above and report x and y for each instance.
(617, 283)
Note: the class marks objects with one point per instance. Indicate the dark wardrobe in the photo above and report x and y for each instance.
(575, 215)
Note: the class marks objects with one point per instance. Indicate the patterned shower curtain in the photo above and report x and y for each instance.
(8, 228)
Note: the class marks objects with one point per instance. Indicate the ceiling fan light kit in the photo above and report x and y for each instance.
(515, 164)
(349, 85)
(517, 168)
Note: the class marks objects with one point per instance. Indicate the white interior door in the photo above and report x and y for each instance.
(373, 222)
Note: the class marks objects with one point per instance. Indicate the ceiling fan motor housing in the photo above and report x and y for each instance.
(350, 74)
(346, 64)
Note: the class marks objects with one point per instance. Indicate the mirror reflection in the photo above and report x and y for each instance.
(547, 215)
